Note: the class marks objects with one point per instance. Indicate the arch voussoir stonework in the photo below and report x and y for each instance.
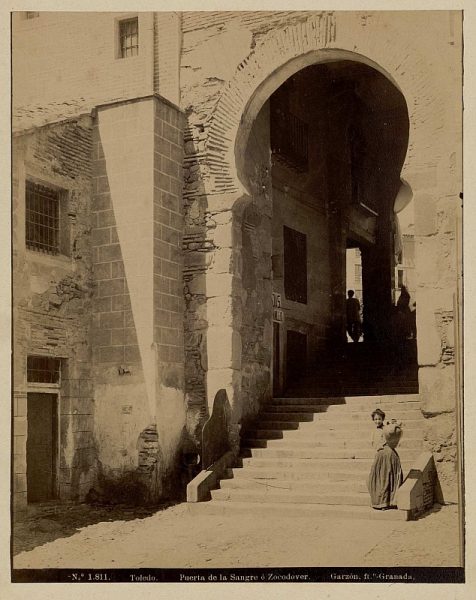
(323, 37)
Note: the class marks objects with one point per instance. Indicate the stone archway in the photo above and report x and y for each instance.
(381, 42)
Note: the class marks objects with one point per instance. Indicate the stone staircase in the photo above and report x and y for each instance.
(311, 454)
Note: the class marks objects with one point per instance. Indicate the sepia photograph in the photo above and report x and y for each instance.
(237, 299)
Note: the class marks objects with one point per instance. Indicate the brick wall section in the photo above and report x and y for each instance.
(52, 299)
(168, 232)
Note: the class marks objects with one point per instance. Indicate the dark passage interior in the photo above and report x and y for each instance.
(338, 137)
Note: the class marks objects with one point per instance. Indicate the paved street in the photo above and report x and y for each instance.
(175, 538)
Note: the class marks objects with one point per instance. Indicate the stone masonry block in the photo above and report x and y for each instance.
(19, 463)
(102, 202)
(170, 269)
(170, 336)
(111, 354)
(101, 337)
(19, 482)
(120, 302)
(430, 344)
(105, 218)
(170, 201)
(19, 445)
(101, 305)
(117, 269)
(161, 214)
(223, 348)
(437, 389)
(110, 253)
(171, 236)
(221, 284)
(132, 354)
(101, 237)
(111, 287)
(117, 337)
(112, 320)
(425, 214)
(102, 271)
(20, 425)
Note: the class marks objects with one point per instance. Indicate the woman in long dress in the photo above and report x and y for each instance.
(386, 473)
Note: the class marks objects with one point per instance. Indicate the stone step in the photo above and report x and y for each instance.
(284, 416)
(345, 412)
(342, 380)
(336, 443)
(332, 453)
(299, 408)
(356, 415)
(321, 400)
(358, 433)
(325, 474)
(324, 511)
(348, 424)
(281, 425)
(338, 400)
(316, 465)
(310, 486)
(330, 393)
(302, 497)
(334, 389)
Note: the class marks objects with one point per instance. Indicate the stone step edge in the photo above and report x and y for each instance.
(295, 510)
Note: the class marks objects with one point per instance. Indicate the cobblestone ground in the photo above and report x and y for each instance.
(85, 537)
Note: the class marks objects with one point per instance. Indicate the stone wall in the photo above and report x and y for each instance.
(138, 332)
(52, 300)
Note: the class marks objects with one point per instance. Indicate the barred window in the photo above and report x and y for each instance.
(289, 134)
(129, 37)
(43, 369)
(42, 218)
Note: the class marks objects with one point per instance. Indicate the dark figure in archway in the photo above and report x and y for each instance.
(354, 325)
(401, 328)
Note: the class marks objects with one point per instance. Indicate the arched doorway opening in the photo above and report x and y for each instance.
(322, 165)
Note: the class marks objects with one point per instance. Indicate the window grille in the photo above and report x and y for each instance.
(129, 37)
(43, 369)
(289, 140)
(42, 218)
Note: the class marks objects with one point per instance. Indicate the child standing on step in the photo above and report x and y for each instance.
(378, 439)
(386, 473)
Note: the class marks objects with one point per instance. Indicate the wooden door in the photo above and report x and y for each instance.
(276, 360)
(41, 447)
(296, 355)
